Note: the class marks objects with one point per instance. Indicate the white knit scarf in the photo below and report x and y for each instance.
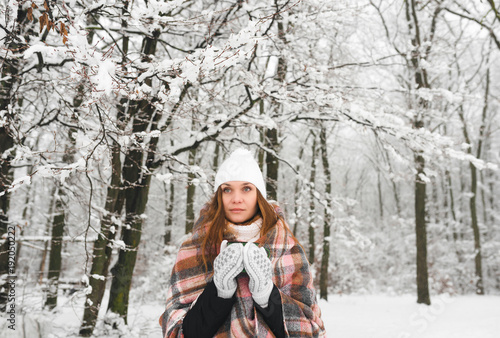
(246, 233)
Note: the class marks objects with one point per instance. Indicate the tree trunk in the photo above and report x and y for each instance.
(27, 213)
(297, 213)
(137, 184)
(8, 81)
(55, 250)
(52, 208)
(393, 182)
(215, 163)
(423, 296)
(492, 199)
(191, 189)
(272, 142)
(136, 199)
(261, 153)
(323, 279)
(434, 207)
(272, 165)
(6, 142)
(297, 207)
(115, 198)
(103, 245)
(169, 207)
(452, 201)
(59, 222)
(446, 208)
(472, 203)
(483, 200)
(312, 209)
(477, 234)
(380, 198)
(420, 81)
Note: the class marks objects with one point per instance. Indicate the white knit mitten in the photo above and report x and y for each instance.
(258, 267)
(227, 265)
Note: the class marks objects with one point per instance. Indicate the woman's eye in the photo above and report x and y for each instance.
(226, 190)
(247, 189)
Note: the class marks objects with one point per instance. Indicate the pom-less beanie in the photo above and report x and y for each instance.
(240, 166)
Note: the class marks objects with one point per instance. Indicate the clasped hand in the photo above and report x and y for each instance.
(232, 259)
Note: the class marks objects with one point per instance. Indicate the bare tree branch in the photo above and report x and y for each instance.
(482, 24)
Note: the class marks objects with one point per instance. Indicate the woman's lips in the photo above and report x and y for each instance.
(236, 210)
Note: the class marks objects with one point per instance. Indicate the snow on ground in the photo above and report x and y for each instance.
(401, 317)
(347, 316)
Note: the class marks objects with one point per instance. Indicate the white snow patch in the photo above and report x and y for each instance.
(96, 276)
(424, 178)
(104, 78)
(401, 317)
(165, 178)
(119, 244)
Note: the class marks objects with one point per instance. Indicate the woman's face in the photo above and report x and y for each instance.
(239, 200)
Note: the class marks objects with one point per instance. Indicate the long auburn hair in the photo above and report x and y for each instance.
(214, 215)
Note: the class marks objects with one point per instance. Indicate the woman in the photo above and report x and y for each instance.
(241, 273)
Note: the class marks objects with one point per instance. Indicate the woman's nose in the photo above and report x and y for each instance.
(237, 197)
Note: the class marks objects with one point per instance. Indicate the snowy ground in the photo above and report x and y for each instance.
(400, 317)
(345, 316)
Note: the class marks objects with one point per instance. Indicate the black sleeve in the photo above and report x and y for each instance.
(208, 313)
(273, 313)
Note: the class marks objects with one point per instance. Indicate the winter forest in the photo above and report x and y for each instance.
(375, 122)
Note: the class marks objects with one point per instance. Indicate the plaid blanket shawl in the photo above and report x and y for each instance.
(292, 276)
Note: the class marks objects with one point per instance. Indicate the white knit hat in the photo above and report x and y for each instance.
(240, 166)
